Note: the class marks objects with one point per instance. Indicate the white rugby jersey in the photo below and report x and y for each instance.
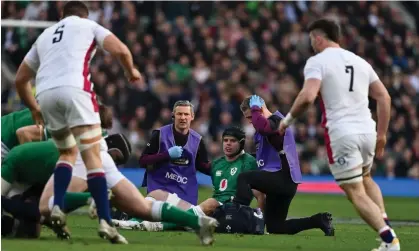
(345, 79)
(61, 55)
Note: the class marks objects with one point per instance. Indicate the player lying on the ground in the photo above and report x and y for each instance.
(28, 167)
(18, 127)
(345, 82)
(279, 173)
(128, 199)
(224, 172)
(172, 157)
(42, 155)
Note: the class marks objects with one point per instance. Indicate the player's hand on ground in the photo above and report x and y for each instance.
(37, 117)
(282, 127)
(175, 152)
(255, 100)
(380, 145)
(134, 76)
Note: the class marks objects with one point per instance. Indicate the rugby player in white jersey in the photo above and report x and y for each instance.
(60, 58)
(345, 81)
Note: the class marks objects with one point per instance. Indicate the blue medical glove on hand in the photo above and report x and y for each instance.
(255, 100)
(175, 152)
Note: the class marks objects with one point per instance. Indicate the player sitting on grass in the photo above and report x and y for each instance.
(224, 172)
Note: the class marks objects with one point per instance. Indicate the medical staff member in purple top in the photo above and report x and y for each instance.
(279, 173)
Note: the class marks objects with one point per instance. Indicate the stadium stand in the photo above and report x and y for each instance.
(215, 54)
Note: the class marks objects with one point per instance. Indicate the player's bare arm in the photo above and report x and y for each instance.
(378, 92)
(29, 134)
(304, 99)
(120, 51)
(24, 88)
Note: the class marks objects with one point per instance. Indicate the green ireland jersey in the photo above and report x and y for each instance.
(30, 163)
(10, 123)
(224, 175)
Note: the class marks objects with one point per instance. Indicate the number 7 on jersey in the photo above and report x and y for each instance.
(350, 69)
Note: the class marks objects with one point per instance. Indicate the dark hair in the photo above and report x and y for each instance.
(245, 104)
(237, 133)
(329, 28)
(76, 8)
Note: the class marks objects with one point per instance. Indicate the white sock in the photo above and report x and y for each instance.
(5, 187)
(156, 209)
(197, 210)
(385, 216)
(383, 229)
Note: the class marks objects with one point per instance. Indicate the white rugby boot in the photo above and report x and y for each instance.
(110, 233)
(393, 246)
(126, 224)
(151, 226)
(58, 217)
(206, 231)
(57, 222)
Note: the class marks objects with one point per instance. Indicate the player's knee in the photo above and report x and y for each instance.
(88, 139)
(354, 191)
(66, 144)
(173, 199)
(209, 206)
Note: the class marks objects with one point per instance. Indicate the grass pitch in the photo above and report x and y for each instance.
(351, 233)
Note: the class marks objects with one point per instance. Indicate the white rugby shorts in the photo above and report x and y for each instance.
(112, 174)
(353, 156)
(68, 107)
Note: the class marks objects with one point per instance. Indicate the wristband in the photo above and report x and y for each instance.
(289, 119)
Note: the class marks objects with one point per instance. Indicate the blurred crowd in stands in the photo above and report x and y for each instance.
(216, 53)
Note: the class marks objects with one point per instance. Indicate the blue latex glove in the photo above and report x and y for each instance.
(255, 100)
(175, 152)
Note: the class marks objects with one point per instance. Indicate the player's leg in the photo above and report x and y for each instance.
(372, 189)
(170, 198)
(83, 119)
(347, 171)
(207, 207)
(55, 106)
(276, 212)
(46, 203)
(374, 192)
(128, 199)
(157, 195)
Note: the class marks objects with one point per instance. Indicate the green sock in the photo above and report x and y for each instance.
(169, 226)
(172, 226)
(73, 201)
(173, 214)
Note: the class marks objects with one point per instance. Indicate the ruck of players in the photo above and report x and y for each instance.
(57, 155)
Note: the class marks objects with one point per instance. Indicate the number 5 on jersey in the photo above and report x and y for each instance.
(58, 34)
